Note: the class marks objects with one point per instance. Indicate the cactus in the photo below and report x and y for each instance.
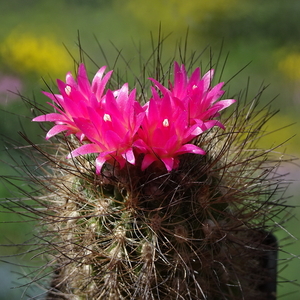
(195, 228)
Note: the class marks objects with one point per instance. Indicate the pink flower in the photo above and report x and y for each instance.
(74, 101)
(164, 132)
(111, 128)
(197, 96)
(115, 127)
(183, 112)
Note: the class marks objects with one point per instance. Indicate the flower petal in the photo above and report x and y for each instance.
(168, 162)
(190, 148)
(129, 156)
(147, 161)
(84, 149)
(55, 130)
(53, 117)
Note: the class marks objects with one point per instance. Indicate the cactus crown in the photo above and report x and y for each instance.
(139, 212)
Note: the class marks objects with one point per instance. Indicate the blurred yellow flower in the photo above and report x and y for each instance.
(290, 66)
(176, 15)
(28, 53)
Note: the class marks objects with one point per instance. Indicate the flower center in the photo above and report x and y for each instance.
(166, 123)
(107, 117)
(68, 90)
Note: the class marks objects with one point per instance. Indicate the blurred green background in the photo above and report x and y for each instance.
(34, 36)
